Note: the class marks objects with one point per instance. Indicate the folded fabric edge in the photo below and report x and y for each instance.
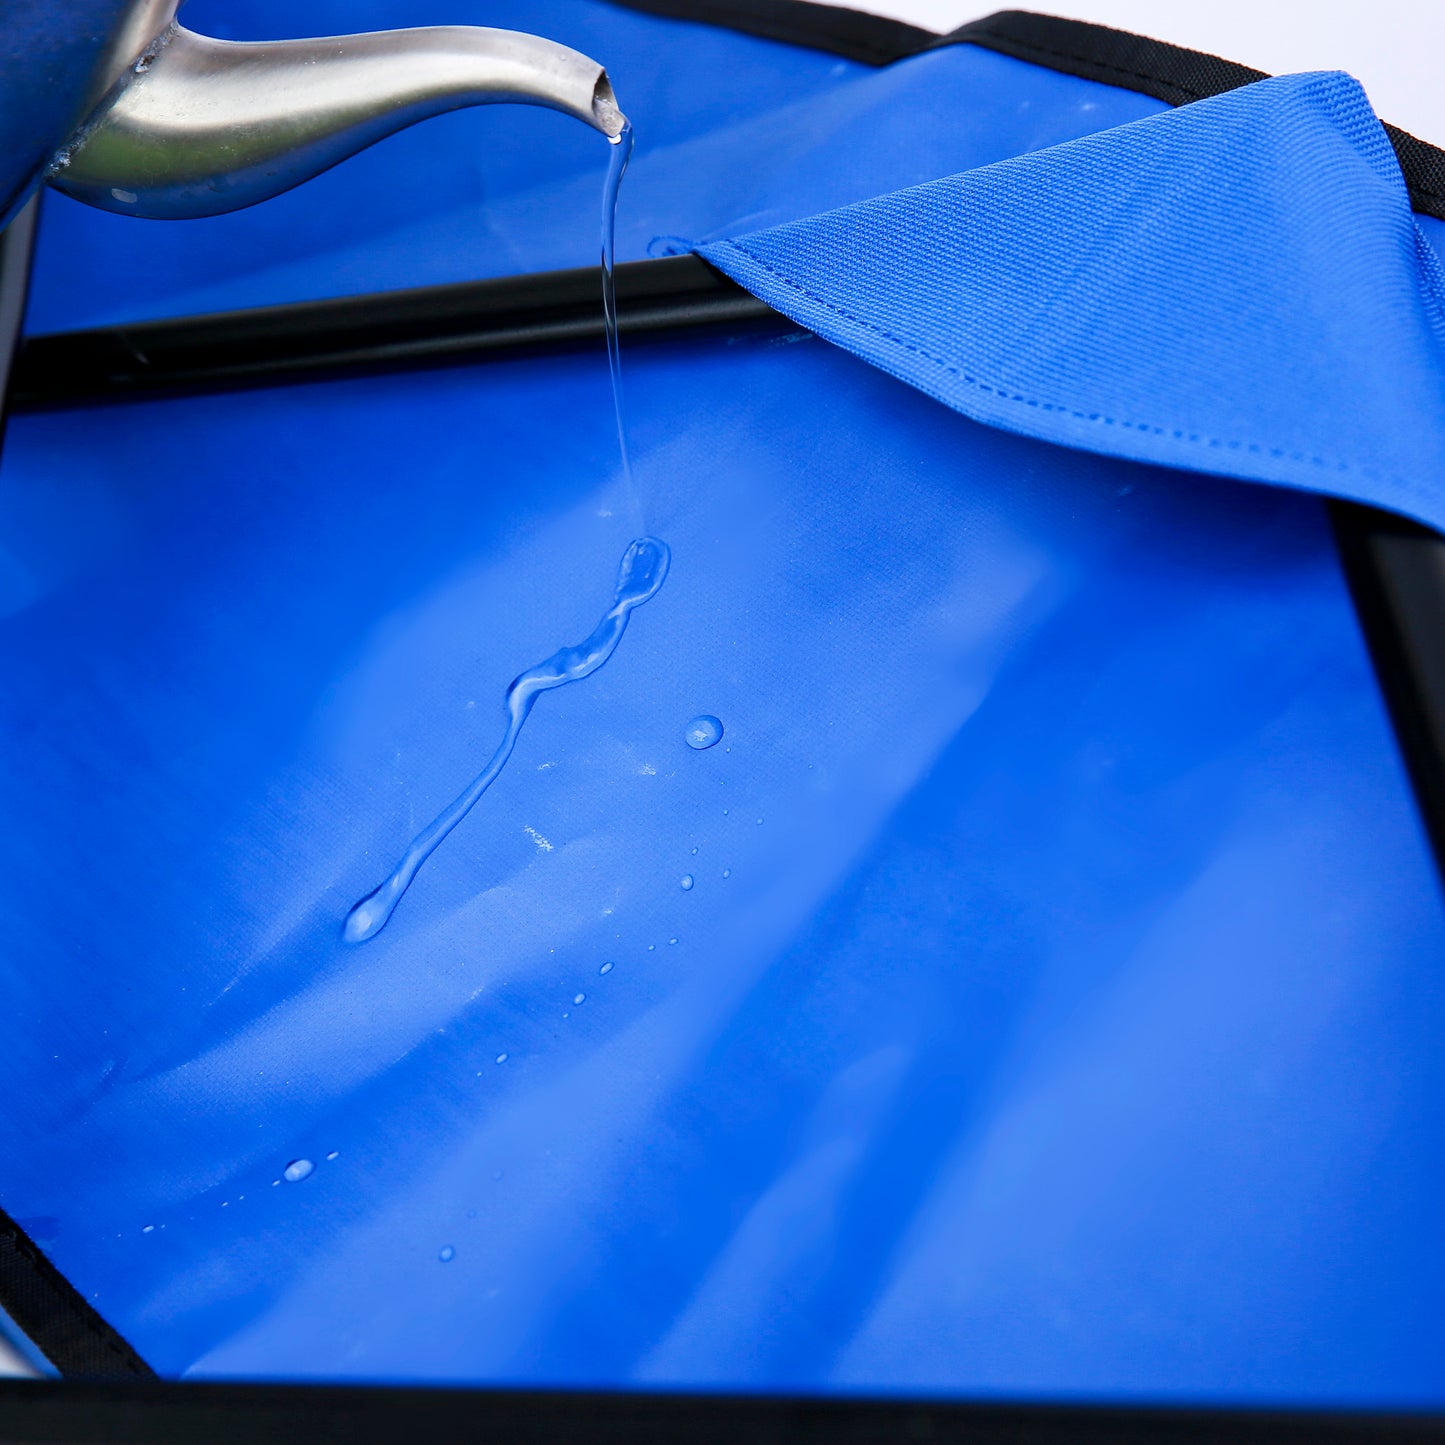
(1101, 429)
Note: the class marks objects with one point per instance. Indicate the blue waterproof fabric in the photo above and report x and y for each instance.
(1055, 1007)
(1237, 286)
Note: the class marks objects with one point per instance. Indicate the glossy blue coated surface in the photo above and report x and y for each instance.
(1055, 1006)
(1055, 1011)
(56, 60)
(733, 134)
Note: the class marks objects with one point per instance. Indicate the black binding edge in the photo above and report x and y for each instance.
(1120, 58)
(1395, 570)
(382, 331)
(852, 34)
(56, 1319)
(1169, 73)
(223, 1414)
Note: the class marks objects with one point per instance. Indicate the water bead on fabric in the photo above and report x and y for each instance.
(704, 731)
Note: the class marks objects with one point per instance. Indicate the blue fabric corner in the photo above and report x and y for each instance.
(1236, 287)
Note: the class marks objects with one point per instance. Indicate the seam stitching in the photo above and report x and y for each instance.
(1003, 394)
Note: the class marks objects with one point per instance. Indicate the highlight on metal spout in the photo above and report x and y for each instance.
(199, 127)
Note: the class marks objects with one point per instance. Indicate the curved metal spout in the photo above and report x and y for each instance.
(209, 126)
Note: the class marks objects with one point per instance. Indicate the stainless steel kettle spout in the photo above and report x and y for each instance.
(175, 125)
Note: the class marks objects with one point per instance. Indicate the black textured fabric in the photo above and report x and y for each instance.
(1115, 57)
(853, 34)
(57, 1320)
(1423, 166)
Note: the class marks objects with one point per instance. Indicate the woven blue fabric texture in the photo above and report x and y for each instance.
(1235, 287)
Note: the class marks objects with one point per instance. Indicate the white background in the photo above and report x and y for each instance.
(1395, 48)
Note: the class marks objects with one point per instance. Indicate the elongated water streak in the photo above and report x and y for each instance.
(616, 169)
(643, 570)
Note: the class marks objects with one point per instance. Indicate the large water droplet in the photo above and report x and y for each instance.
(297, 1170)
(580, 998)
(606, 968)
(447, 1255)
(644, 566)
(686, 882)
(703, 731)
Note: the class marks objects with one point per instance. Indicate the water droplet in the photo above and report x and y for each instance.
(694, 852)
(727, 872)
(225, 1203)
(672, 940)
(297, 1170)
(606, 968)
(760, 822)
(501, 1058)
(274, 1183)
(651, 947)
(447, 1255)
(149, 1229)
(703, 731)
(725, 812)
(686, 882)
(580, 998)
(642, 571)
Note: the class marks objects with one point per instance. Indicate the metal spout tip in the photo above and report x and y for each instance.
(210, 126)
(605, 114)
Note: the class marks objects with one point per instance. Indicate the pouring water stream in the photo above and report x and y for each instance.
(642, 572)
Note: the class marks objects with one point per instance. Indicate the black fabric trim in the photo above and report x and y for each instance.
(312, 340)
(1167, 72)
(41, 1301)
(853, 34)
(1170, 73)
(55, 1317)
(227, 1414)
(1114, 57)
(1395, 569)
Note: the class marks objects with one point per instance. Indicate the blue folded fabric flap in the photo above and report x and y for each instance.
(1236, 287)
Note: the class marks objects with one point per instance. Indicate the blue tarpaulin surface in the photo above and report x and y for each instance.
(1054, 1007)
